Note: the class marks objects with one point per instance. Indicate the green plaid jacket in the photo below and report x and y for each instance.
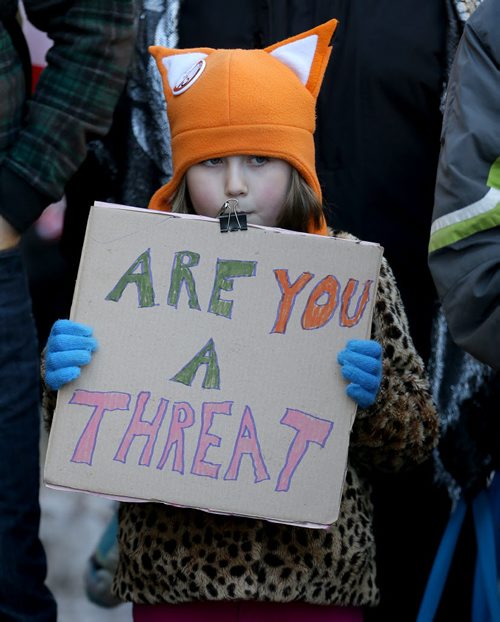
(43, 140)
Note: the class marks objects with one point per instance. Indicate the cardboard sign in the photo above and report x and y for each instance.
(215, 385)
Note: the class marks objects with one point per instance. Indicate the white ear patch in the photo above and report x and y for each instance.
(183, 70)
(298, 56)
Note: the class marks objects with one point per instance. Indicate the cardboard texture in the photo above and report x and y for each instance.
(215, 385)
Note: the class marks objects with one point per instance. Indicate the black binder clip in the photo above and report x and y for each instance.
(230, 219)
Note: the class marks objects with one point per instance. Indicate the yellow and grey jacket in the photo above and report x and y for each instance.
(464, 249)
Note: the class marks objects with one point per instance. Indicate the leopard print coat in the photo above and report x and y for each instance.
(173, 555)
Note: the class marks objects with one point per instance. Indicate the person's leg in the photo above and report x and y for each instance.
(102, 565)
(23, 594)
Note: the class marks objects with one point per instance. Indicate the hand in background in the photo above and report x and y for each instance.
(20, 205)
(69, 346)
(361, 363)
(9, 237)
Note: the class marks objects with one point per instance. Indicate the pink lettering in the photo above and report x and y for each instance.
(100, 402)
(139, 427)
(247, 442)
(176, 435)
(309, 429)
(206, 440)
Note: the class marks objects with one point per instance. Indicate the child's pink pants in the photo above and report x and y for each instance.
(245, 611)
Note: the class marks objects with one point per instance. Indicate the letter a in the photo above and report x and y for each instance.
(206, 356)
(143, 281)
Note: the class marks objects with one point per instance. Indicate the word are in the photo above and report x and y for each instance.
(307, 428)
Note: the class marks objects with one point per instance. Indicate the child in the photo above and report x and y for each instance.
(242, 124)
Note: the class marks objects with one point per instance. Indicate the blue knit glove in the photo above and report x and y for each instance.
(69, 346)
(361, 362)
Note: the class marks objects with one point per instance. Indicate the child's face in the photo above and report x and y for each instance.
(259, 183)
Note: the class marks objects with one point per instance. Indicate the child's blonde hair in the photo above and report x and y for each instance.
(301, 207)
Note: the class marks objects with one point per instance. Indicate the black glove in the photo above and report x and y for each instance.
(20, 203)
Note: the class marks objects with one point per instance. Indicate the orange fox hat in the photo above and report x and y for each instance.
(244, 102)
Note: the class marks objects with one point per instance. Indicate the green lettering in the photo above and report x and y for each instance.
(206, 356)
(228, 269)
(181, 273)
(142, 280)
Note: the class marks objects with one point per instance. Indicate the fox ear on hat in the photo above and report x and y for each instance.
(179, 68)
(307, 54)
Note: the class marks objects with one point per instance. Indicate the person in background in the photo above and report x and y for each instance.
(464, 247)
(42, 143)
(464, 259)
(182, 564)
